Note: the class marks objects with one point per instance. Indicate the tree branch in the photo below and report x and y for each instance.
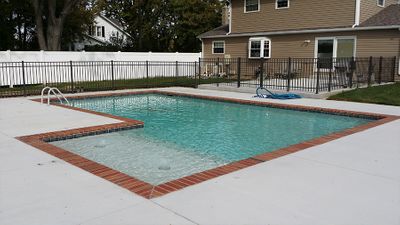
(67, 9)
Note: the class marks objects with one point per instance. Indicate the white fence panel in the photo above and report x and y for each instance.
(60, 56)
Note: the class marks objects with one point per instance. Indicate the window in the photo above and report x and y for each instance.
(251, 5)
(334, 47)
(99, 31)
(259, 48)
(218, 47)
(282, 4)
(381, 3)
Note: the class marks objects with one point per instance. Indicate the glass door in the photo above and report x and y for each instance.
(325, 53)
(345, 48)
(330, 48)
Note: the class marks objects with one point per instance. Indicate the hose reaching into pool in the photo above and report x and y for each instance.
(269, 94)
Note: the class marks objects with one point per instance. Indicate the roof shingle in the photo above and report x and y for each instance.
(222, 30)
(386, 17)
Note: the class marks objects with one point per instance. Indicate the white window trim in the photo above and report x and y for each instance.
(213, 48)
(262, 39)
(244, 7)
(383, 5)
(276, 5)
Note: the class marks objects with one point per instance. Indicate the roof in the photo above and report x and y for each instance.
(301, 31)
(386, 17)
(222, 30)
(115, 23)
(95, 39)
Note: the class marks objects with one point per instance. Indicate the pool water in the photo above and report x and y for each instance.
(184, 135)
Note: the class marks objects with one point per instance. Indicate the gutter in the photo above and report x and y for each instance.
(308, 31)
(230, 18)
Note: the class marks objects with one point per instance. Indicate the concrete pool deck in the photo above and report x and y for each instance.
(352, 180)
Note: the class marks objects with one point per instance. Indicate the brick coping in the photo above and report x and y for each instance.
(146, 190)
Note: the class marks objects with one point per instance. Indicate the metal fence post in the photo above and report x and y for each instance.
(112, 75)
(198, 81)
(238, 72)
(262, 73)
(23, 77)
(72, 76)
(370, 68)
(147, 73)
(380, 70)
(394, 68)
(195, 70)
(351, 73)
(330, 76)
(289, 73)
(176, 71)
(318, 74)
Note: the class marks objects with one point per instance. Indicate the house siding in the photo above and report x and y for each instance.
(301, 14)
(369, 43)
(370, 7)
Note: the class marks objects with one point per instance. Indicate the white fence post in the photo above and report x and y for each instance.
(118, 56)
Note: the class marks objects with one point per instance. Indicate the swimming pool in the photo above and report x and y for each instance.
(183, 136)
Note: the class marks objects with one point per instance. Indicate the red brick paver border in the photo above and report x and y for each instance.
(147, 190)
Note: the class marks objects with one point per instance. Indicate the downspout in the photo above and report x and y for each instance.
(357, 14)
(230, 17)
(202, 48)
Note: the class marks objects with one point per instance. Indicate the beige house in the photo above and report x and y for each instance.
(258, 29)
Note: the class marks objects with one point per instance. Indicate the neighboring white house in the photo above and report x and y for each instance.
(102, 32)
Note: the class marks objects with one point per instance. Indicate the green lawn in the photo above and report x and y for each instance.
(385, 94)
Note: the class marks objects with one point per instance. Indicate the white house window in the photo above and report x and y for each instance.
(98, 31)
(259, 48)
(381, 3)
(218, 47)
(282, 4)
(251, 5)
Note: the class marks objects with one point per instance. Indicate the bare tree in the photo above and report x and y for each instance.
(49, 19)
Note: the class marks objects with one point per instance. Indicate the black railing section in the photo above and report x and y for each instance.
(303, 74)
(28, 78)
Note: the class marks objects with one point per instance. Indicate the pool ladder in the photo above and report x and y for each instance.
(56, 92)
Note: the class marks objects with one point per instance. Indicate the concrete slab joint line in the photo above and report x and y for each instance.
(149, 191)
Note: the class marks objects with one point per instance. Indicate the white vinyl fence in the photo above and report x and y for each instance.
(25, 68)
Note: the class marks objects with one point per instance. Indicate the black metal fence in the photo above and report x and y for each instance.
(303, 74)
(28, 78)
